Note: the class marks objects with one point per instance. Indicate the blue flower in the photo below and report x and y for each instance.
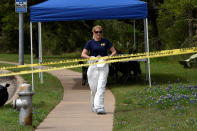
(189, 86)
(192, 101)
(169, 96)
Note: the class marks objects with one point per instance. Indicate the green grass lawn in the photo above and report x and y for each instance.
(46, 97)
(132, 114)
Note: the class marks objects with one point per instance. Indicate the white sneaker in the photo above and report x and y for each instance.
(93, 110)
(100, 111)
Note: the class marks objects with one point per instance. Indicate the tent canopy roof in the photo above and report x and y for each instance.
(64, 10)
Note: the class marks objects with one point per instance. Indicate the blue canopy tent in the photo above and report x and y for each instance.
(63, 10)
(70, 10)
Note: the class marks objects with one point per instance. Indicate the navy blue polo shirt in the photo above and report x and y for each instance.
(98, 47)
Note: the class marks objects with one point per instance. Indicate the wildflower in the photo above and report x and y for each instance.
(170, 87)
(189, 87)
(192, 101)
(169, 96)
(161, 97)
(171, 93)
(186, 96)
(195, 96)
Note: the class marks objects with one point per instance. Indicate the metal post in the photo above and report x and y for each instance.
(32, 55)
(40, 50)
(147, 49)
(145, 35)
(145, 46)
(21, 40)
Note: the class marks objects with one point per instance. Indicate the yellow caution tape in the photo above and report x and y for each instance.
(113, 59)
(156, 54)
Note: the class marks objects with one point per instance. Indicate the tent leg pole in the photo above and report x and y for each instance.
(39, 47)
(32, 55)
(40, 50)
(145, 45)
(147, 49)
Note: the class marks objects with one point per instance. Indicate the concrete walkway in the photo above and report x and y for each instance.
(74, 113)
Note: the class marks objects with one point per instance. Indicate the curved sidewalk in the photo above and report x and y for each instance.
(73, 113)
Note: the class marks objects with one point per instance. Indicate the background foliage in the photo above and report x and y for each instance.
(172, 24)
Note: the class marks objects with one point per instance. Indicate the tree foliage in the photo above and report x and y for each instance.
(176, 22)
(173, 24)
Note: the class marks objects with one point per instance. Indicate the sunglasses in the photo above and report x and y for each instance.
(98, 32)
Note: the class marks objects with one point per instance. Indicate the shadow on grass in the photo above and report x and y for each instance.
(41, 104)
(140, 80)
(159, 78)
(71, 56)
(164, 78)
(129, 108)
(7, 106)
(54, 57)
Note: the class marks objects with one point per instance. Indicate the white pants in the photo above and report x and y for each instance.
(97, 79)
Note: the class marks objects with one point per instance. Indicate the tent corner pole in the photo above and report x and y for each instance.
(40, 50)
(31, 41)
(147, 48)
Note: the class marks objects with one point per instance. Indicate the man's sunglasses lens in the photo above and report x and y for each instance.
(98, 32)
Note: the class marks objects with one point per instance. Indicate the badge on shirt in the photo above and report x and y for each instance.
(102, 44)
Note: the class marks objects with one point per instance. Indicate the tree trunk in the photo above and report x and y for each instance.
(153, 14)
(190, 25)
(153, 17)
(35, 43)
